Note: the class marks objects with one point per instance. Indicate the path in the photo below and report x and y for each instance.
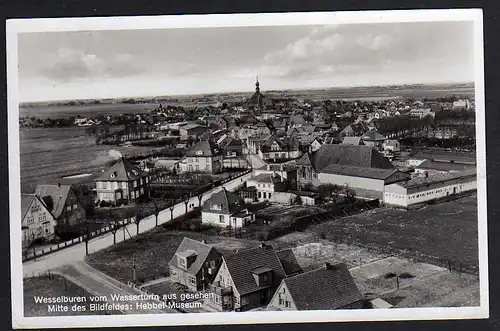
(99, 284)
(77, 252)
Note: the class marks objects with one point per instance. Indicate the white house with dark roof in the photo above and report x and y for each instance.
(36, 220)
(205, 156)
(248, 279)
(62, 203)
(224, 209)
(267, 185)
(373, 139)
(121, 182)
(327, 288)
(194, 264)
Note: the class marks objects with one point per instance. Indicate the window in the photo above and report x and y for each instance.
(196, 160)
(221, 218)
(190, 160)
(269, 195)
(190, 167)
(207, 167)
(237, 300)
(75, 206)
(287, 304)
(281, 302)
(264, 195)
(192, 280)
(182, 262)
(197, 167)
(68, 208)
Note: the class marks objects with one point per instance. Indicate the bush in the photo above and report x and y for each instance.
(390, 275)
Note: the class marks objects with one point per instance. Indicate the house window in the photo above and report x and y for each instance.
(192, 280)
(207, 167)
(237, 300)
(68, 208)
(182, 262)
(197, 167)
(281, 302)
(269, 195)
(263, 194)
(74, 206)
(190, 168)
(221, 218)
(287, 304)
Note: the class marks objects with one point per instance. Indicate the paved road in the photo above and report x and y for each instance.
(77, 252)
(99, 284)
(256, 161)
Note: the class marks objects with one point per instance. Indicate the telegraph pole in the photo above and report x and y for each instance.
(133, 267)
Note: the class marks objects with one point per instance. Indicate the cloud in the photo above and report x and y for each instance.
(330, 49)
(68, 64)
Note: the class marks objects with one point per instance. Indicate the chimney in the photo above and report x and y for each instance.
(203, 241)
(263, 245)
(328, 266)
(58, 185)
(268, 167)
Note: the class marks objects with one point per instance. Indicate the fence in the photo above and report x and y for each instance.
(32, 254)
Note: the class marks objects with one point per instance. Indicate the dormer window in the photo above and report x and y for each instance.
(182, 262)
(199, 153)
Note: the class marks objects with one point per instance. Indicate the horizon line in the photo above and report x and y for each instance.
(241, 92)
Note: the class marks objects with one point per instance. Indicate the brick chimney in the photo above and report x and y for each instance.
(203, 241)
(263, 245)
(328, 266)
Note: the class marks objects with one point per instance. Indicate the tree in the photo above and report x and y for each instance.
(298, 200)
(171, 208)
(113, 221)
(139, 217)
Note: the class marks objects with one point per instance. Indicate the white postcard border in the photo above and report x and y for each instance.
(16, 26)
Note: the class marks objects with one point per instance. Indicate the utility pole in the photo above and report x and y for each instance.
(133, 267)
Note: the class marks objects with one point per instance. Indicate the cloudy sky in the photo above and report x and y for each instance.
(101, 64)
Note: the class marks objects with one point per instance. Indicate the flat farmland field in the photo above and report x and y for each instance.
(43, 111)
(435, 234)
(49, 154)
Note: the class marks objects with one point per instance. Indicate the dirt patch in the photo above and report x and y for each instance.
(442, 234)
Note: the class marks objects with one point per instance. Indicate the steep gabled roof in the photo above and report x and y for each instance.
(204, 148)
(57, 193)
(242, 264)
(123, 170)
(326, 288)
(190, 247)
(359, 156)
(288, 261)
(267, 178)
(230, 203)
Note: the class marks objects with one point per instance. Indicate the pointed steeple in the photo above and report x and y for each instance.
(257, 89)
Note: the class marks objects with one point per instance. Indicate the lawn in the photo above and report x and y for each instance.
(48, 154)
(53, 286)
(152, 251)
(435, 234)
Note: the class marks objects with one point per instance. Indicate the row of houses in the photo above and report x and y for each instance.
(262, 277)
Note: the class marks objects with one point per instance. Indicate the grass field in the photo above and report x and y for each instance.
(48, 154)
(53, 286)
(44, 111)
(443, 232)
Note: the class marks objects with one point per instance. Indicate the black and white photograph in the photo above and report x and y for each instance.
(247, 168)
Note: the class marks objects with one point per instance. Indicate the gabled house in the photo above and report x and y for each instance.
(192, 130)
(247, 279)
(280, 148)
(122, 182)
(194, 264)
(225, 209)
(354, 141)
(205, 156)
(62, 203)
(354, 130)
(37, 223)
(326, 288)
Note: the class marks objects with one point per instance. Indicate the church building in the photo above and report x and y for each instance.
(258, 102)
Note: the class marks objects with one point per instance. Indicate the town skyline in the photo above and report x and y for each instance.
(143, 63)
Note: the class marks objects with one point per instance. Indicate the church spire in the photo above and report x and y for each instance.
(257, 84)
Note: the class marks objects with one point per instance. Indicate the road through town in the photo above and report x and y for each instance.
(77, 252)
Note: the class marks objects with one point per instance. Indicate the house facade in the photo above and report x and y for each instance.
(280, 148)
(225, 209)
(327, 288)
(194, 264)
(122, 182)
(62, 203)
(247, 279)
(37, 223)
(266, 185)
(205, 156)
